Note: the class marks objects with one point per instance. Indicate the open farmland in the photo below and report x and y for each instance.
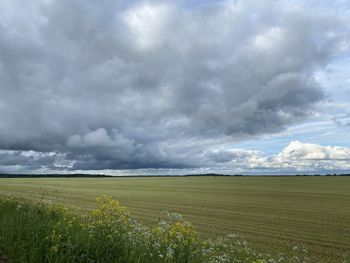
(272, 213)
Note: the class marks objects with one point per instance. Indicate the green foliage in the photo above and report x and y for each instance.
(39, 232)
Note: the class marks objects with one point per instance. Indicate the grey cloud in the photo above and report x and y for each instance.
(24, 161)
(225, 156)
(154, 84)
(343, 121)
(296, 157)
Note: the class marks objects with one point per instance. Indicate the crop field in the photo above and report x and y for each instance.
(273, 213)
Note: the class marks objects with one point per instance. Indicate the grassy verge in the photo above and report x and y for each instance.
(39, 232)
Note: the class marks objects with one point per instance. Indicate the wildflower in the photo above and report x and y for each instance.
(170, 252)
(54, 248)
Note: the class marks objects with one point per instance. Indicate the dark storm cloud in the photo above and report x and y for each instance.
(24, 161)
(117, 85)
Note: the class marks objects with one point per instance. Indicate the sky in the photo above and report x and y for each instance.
(175, 87)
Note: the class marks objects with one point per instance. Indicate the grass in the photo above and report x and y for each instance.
(272, 213)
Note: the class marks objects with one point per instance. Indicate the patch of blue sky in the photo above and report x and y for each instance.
(317, 132)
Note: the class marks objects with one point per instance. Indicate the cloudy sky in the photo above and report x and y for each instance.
(174, 87)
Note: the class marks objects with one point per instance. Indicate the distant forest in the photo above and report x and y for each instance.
(109, 176)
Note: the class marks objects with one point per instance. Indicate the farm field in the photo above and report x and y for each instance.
(272, 213)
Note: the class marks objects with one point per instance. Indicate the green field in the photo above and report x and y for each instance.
(272, 213)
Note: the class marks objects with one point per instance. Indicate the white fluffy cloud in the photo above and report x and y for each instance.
(306, 151)
(295, 157)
